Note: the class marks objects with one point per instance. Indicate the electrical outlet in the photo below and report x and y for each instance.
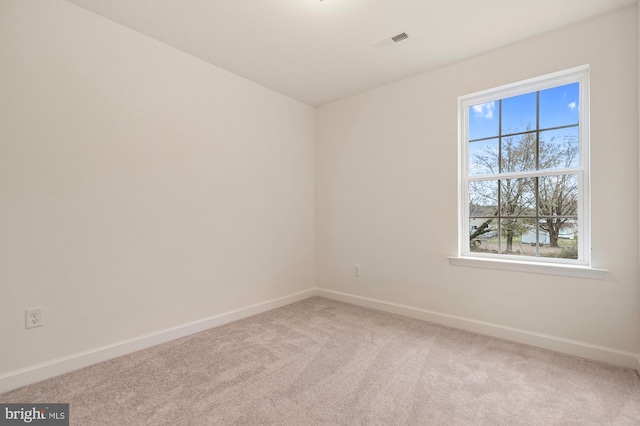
(33, 317)
(356, 270)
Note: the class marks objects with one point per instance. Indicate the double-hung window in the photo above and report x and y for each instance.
(524, 176)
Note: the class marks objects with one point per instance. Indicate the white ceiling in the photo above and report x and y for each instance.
(318, 51)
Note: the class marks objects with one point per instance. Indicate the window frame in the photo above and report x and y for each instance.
(516, 262)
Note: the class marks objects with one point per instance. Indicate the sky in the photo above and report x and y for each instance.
(559, 106)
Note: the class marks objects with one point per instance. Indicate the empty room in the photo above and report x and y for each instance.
(319, 212)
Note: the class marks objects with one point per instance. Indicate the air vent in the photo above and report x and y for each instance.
(399, 37)
(388, 42)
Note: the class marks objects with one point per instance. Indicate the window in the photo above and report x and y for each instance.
(524, 171)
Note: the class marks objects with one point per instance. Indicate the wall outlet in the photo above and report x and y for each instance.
(33, 317)
(356, 270)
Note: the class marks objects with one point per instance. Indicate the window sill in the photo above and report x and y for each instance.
(531, 267)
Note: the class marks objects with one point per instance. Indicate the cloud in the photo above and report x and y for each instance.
(484, 110)
(573, 105)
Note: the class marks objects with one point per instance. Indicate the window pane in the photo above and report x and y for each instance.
(483, 235)
(560, 237)
(559, 148)
(519, 113)
(518, 153)
(483, 157)
(559, 106)
(512, 234)
(517, 197)
(558, 195)
(483, 198)
(483, 120)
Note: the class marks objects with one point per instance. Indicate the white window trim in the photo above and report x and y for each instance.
(582, 267)
(532, 267)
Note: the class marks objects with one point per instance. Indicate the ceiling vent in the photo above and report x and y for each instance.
(388, 42)
(399, 37)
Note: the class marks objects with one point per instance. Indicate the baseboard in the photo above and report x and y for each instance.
(32, 374)
(558, 344)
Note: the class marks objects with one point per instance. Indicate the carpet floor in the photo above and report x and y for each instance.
(320, 361)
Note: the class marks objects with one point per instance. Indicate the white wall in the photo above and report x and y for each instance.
(140, 188)
(386, 192)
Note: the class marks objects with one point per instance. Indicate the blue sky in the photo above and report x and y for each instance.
(559, 106)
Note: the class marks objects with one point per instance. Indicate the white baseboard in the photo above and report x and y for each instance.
(24, 376)
(558, 344)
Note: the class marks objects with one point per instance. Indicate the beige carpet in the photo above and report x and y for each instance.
(323, 362)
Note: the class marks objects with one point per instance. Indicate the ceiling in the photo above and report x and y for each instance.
(318, 51)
